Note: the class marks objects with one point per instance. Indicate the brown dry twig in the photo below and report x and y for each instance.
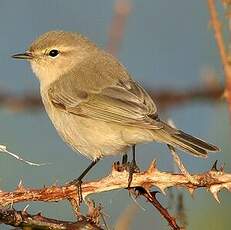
(213, 180)
(216, 25)
(18, 103)
(23, 219)
(122, 10)
(165, 98)
(151, 197)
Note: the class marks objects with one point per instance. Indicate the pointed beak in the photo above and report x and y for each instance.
(26, 55)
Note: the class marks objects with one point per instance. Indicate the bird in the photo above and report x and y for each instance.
(94, 103)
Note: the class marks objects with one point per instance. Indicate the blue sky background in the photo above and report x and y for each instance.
(166, 44)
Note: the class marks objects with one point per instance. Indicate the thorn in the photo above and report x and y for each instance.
(214, 190)
(152, 168)
(191, 191)
(20, 187)
(55, 183)
(20, 183)
(214, 167)
(26, 207)
(162, 188)
(215, 195)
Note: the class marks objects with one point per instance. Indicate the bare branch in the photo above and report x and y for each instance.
(151, 197)
(122, 10)
(164, 97)
(23, 219)
(3, 149)
(212, 180)
(216, 25)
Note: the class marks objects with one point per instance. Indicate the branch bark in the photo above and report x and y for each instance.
(23, 219)
(213, 180)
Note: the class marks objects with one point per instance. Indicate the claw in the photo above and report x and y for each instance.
(214, 167)
(78, 184)
(132, 168)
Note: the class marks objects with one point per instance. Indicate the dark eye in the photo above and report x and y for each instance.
(53, 53)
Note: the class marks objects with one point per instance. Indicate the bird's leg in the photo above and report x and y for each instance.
(78, 182)
(125, 160)
(133, 168)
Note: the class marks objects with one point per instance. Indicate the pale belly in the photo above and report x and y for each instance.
(95, 138)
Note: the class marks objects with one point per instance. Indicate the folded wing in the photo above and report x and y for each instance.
(100, 88)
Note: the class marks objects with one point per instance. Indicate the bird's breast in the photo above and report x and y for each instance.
(91, 137)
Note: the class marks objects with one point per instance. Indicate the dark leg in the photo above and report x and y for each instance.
(133, 168)
(78, 182)
(124, 159)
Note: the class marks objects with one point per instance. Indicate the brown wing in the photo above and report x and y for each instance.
(101, 88)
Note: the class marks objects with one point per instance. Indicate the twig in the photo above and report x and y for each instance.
(164, 97)
(151, 197)
(178, 161)
(122, 10)
(212, 180)
(180, 165)
(216, 25)
(3, 149)
(23, 219)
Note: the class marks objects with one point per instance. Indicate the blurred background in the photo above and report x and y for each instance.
(165, 45)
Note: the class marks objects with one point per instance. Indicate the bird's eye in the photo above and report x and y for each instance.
(53, 53)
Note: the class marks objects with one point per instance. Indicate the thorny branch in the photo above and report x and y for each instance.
(214, 180)
(23, 219)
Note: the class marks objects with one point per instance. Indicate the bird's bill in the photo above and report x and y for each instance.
(26, 55)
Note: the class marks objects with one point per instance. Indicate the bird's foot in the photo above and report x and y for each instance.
(78, 183)
(130, 167)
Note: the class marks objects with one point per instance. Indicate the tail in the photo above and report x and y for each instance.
(184, 141)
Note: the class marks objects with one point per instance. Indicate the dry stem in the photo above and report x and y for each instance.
(164, 98)
(213, 180)
(151, 197)
(23, 219)
(122, 10)
(216, 25)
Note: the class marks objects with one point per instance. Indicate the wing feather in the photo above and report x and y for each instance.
(119, 99)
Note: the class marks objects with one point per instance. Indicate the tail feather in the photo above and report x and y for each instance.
(179, 139)
(197, 141)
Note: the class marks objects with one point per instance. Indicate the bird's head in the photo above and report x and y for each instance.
(55, 53)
